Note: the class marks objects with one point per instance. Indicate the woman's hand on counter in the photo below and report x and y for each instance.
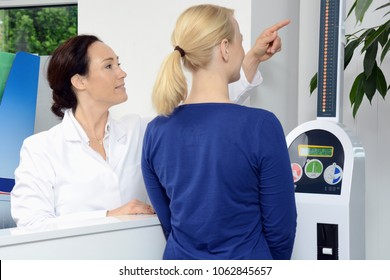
(132, 207)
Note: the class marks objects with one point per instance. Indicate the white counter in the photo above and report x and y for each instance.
(136, 237)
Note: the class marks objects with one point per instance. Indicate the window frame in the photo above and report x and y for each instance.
(34, 3)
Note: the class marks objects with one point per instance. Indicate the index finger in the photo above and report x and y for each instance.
(279, 25)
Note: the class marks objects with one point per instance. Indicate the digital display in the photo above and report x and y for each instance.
(317, 162)
(315, 151)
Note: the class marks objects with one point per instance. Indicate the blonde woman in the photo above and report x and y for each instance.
(218, 174)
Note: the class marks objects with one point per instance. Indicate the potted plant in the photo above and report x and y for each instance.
(375, 44)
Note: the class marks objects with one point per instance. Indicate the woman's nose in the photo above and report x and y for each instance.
(122, 74)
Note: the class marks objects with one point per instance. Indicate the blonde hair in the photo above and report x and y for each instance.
(198, 30)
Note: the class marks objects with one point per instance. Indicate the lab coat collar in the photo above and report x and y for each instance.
(71, 132)
(117, 139)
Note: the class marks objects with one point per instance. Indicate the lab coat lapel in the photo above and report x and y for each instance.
(69, 129)
(117, 146)
(117, 139)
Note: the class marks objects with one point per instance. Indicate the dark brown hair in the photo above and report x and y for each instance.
(68, 59)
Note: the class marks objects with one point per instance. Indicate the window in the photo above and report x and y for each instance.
(36, 29)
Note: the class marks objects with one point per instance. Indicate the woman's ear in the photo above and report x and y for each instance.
(77, 82)
(224, 47)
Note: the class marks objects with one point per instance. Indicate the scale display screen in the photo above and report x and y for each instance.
(317, 162)
(315, 151)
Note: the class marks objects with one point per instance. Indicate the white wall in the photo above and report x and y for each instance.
(279, 91)
(44, 118)
(139, 31)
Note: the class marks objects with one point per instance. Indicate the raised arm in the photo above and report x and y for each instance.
(267, 44)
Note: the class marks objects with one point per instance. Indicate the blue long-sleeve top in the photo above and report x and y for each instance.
(220, 180)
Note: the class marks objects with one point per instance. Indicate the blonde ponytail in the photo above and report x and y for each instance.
(198, 30)
(170, 88)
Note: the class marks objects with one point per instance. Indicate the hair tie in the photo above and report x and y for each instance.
(180, 50)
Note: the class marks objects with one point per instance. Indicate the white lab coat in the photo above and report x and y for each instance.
(60, 178)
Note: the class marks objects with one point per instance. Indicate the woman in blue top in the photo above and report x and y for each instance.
(218, 174)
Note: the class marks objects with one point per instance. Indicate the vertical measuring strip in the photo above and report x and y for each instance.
(331, 60)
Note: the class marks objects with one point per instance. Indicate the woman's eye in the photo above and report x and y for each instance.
(109, 66)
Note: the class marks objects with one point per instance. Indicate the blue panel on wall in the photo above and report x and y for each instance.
(6, 184)
(17, 113)
(6, 60)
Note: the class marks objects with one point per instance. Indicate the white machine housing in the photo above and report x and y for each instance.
(346, 210)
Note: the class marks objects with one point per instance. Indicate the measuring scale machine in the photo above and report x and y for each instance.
(328, 161)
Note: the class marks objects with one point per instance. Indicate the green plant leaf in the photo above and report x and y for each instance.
(313, 83)
(366, 33)
(370, 59)
(381, 83)
(361, 8)
(384, 51)
(349, 50)
(356, 87)
(384, 37)
(352, 8)
(358, 93)
(356, 105)
(369, 84)
(383, 6)
(374, 37)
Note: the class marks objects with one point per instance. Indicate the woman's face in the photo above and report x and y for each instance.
(105, 81)
(236, 52)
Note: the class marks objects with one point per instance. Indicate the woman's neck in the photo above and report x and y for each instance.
(92, 121)
(207, 87)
